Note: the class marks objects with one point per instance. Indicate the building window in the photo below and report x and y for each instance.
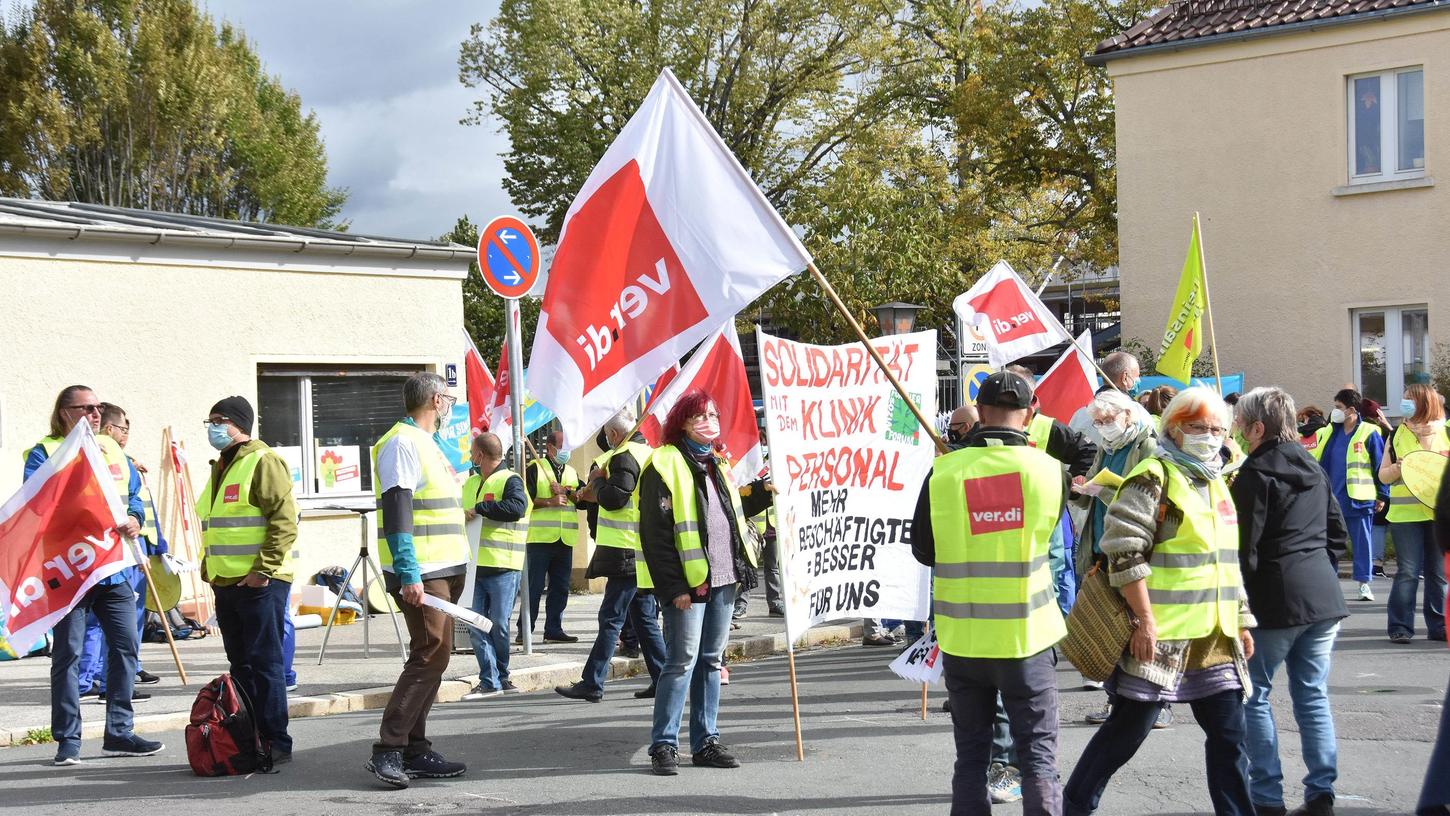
(323, 422)
(1391, 351)
(1387, 125)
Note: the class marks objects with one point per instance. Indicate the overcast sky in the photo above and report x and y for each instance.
(382, 78)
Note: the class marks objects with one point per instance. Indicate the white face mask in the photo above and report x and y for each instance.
(1203, 447)
(1336, 416)
(1112, 434)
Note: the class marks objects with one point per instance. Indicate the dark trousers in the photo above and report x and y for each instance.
(1029, 691)
(114, 605)
(1221, 717)
(251, 621)
(554, 562)
(1435, 795)
(430, 640)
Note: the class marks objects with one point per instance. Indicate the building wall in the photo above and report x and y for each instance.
(1253, 135)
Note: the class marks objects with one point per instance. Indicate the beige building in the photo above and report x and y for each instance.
(1310, 136)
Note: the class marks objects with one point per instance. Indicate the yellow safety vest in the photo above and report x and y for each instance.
(500, 543)
(550, 524)
(1358, 477)
(118, 464)
(764, 521)
(1039, 431)
(149, 530)
(438, 535)
(679, 479)
(50, 443)
(233, 530)
(993, 510)
(620, 528)
(1195, 584)
(1404, 507)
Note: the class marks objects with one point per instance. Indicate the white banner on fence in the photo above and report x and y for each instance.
(847, 459)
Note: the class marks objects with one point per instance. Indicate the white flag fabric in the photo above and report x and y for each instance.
(668, 239)
(1009, 315)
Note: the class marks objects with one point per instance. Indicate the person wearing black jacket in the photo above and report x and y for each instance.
(1291, 534)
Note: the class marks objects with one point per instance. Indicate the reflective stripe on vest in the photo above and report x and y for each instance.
(1404, 507)
(232, 529)
(1358, 478)
(500, 543)
(679, 478)
(1195, 585)
(550, 524)
(1039, 431)
(620, 528)
(993, 511)
(438, 534)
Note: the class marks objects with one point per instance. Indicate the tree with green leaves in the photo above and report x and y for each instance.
(149, 104)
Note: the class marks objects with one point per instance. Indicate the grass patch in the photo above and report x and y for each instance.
(36, 736)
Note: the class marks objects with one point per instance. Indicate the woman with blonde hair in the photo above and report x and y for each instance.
(1412, 521)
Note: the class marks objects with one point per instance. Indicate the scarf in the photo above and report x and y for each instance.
(1203, 471)
(698, 451)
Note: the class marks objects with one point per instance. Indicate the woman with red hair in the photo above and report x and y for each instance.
(692, 522)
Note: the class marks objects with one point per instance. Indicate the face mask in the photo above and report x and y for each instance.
(561, 458)
(1203, 447)
(219, 437)
(1112, 434)
(706, 429)
(1336, 416)
(1132, 390)
(1407, 408)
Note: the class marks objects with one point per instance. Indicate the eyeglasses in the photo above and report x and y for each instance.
(1204, 428)
(715, 415)
(216, 420)
(93, 408)
(1103, 423)
(125, 429)
(450, 400)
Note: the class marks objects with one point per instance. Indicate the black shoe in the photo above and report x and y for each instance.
(1439, 636)
(577, 691)
(93, 691)
(388, 768)
(645, 693)
(1378, 571)
(1270, 810)
(281, 758)
(130, 746)
(560, 637)
(146, 678)
(946, 706)
(664, 760)
(629, 651)
(777, 612)
(507, 685)
(432, 765)
(878, 640)
(714, 755)
(1322, 805)
(136, 696)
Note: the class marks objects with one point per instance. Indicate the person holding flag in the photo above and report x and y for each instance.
(112, 599)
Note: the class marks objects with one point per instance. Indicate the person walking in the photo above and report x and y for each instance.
(496, 495)
(1350, 451)
(423, 550)
(1291, 534)
(1412, 521)
(553, 532)
(1002, 647)
(1171, 544)
(692, 521)
(111, 599)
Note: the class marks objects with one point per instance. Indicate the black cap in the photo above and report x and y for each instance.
(238, 410)
(1005, 390)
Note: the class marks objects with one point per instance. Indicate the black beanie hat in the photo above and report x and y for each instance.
(238, 410)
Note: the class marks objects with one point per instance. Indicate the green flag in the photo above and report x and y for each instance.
(1183, 339)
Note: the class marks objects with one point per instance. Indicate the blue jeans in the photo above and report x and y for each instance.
(252, 621)
(554, 562)
(1416, 553)
(1377, 540)
(1435, 795)
(289, 649)
(623, 599)
(695, 641)
(494, 592)
(93, 654)
(1304, 651)
(1361, 539)
(1059, 556)
(115, 607)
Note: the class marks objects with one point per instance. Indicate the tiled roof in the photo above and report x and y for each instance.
(1192, 21)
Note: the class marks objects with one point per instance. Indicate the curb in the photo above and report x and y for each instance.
(534, 678)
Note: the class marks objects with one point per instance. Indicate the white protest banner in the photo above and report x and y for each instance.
(847, 460)
(921, 663)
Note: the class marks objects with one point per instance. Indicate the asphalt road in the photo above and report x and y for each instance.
(867, 751)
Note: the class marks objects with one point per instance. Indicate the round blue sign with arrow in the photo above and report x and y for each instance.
(508, 256)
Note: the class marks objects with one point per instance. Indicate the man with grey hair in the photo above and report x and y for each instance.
(1123, 372)
(1291, 534)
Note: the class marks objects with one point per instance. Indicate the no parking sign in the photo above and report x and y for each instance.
(508, 256)
(976, 375)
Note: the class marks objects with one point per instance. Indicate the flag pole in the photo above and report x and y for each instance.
(923, 702)
(875, 355)
(156, 597)
(1207, 307)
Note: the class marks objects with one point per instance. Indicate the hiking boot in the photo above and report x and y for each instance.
(1321, 805)
(388, 768)
(1165, 717)
(1101, 715)
(480, 692)
(1004, 783)
(578, 691)
(664, 760)
(131, 746)
(714, 755)
(645, 693)
(432, 765)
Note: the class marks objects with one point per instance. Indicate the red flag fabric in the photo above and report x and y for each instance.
(480, 387)
(500, 416)
(1009, 315)
(60, 539)
(1069, 384)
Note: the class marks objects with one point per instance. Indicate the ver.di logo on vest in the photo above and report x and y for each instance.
(994, 503)
(231, 493)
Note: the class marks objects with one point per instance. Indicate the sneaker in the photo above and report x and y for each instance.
(578, 691)
(714, 755)
(628, 651)
(146, 678)
(1400, 637)
(67, 755)
(560, 637)
(664, 760)
(738, 612)
(291, 688)
(878, 639)
(432, 765)
(1322, 805)
(1004, 783)
(1378, 571)
(645, 693)
(724, 675)
(479, 692)
(1269, 810)
(130, 745)
(136, 697)
(1092, 685)
(388, 768)
(1165, 717)
(1101, 715)
(1365, 594)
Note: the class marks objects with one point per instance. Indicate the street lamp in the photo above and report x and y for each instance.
(897, 317)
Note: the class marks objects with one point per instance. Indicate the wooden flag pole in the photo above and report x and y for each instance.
(156, 597)
(795, 704)
(923, 701)
(1207, 307)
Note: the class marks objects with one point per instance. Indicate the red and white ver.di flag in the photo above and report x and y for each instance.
(1070, 383)
(718, 369)
(59, 538)
(500, 414)
(667, 240)
(1009, 315)
(480, 387)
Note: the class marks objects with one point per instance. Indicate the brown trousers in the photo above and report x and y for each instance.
(430, 636)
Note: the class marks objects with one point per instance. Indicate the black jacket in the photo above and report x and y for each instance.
(613, 493)
(657, 525)
(1291, 534)
(1074, 450)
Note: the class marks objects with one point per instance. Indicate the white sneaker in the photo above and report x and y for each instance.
(1364, 593)
(480, 692)
(1004, 783)
(1092, 685)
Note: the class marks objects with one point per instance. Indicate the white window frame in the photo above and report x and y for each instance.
(1394, 350)
(1389, 126)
